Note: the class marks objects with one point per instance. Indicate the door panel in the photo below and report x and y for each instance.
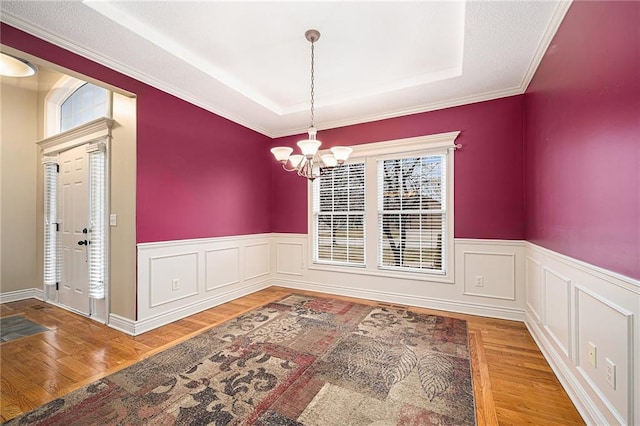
(74, 200)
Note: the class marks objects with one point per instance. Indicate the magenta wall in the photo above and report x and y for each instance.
(582, 139)
(188, 183)
(488, 169)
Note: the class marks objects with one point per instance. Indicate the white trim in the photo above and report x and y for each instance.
(614, 278)
(122, 324)
(413, 300)
(482, 253)
(209, 240)
(562, 7)
(613, 290)
(371, 153)
(59, 93)
(135, 328)
(94, 131)
(14, 296)
(418, 144)
(585, 406)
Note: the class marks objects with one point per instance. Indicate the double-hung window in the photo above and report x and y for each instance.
(339, 216)
(412, 213)
(389, 211)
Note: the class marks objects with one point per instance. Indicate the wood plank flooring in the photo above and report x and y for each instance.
(513, 383)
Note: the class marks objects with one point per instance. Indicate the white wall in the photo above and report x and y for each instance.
(571, 304)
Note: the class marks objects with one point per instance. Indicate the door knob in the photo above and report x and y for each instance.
(83, 243)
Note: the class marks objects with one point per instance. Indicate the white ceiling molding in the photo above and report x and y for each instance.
(375, 60)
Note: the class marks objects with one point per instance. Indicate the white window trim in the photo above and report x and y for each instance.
(61, 90)
(441, 143)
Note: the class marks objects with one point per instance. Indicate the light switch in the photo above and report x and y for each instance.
(113, 219)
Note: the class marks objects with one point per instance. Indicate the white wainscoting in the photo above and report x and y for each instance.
(180, 278)
(499, 263)
(571, 304)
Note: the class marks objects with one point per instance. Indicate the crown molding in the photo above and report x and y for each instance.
(556, 19)
(115, 65)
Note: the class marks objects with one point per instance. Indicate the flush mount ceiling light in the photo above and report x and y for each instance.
(10, 66)
(310, 164)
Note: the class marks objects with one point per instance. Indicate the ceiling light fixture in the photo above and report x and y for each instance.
(10, 66)
(310, 164)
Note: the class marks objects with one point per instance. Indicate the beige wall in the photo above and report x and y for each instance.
(21, 191)
(18, 173)
(122, 277)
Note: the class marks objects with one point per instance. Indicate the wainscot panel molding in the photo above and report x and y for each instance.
(179, 278)
(500, 264)
(573, 306)
(29, 293)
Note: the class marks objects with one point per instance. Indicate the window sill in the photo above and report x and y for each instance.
(360, 270)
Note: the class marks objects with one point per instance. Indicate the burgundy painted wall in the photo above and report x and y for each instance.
(489, 176)
(188, 183)
(582, 139)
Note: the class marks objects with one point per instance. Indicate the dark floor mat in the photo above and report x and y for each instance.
(17, 326)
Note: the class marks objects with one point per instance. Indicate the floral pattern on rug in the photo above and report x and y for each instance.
(299, 361)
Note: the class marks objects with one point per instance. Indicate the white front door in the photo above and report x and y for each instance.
(74, 203)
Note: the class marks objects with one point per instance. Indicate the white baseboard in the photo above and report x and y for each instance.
(30, 293)
(585, 406)
(135, 328)
(419, 301)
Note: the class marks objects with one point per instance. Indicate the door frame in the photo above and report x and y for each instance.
(97, 131)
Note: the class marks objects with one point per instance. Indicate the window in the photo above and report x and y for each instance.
(338, 216)
(389, 212)
(87, 103)
(411, 213)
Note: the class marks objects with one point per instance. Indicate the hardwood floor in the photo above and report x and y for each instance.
(513, 383)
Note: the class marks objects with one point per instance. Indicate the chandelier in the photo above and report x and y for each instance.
(311, 164)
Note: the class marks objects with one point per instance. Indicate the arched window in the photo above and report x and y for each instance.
(87, 103)
(72, 102)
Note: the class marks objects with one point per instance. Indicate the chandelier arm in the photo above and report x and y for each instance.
(284, 166)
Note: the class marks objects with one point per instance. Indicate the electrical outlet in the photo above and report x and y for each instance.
(592, 354)
(611, 373)
(175, 284)
(479, 281)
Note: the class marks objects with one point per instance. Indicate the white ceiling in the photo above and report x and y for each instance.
(250, 62)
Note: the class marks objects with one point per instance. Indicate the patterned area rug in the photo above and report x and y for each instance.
(17, 326)
(300, 361)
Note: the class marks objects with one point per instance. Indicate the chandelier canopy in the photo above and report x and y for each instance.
(310, 164)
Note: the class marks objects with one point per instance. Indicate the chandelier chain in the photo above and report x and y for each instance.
(312, 82)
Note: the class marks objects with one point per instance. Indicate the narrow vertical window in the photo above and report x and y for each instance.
(96, 229)
(338, 216)
(412, 213)
(51, 255)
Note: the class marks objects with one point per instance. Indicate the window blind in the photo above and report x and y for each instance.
(96, 246)
(412, 213)
(339, 216)
(51, 255)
